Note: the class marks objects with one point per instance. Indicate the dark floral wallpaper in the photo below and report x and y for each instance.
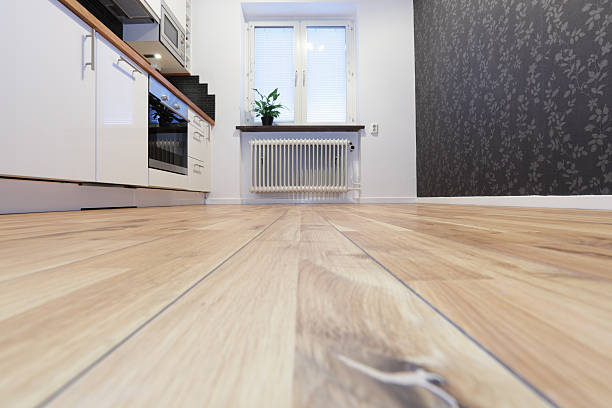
(514, 97)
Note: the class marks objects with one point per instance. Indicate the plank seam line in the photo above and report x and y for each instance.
(88, 258)
(572, 272)
(107, 353)
(523, 380)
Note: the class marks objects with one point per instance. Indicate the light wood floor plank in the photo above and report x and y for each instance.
(228, 343)
(99, 308)
(48, 343)
(552, 325)
(233, 336)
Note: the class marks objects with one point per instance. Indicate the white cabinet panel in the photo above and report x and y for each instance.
(199, 175)
(179, 9)
(122, 123)
(155, 6)
(199, 149)
(49, 129)
(198, 144)
(166, 179)
(197, 120)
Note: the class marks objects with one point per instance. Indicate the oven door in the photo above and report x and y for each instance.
(171, 35)
(167, 138)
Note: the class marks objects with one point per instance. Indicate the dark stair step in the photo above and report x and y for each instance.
(197, 92)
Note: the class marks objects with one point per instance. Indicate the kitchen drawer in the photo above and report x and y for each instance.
(197, 120)
(198, 145)
(166, 179)
(199, 175)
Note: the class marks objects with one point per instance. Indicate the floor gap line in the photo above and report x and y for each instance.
(576, 274)
(523, 380)
(107, 353)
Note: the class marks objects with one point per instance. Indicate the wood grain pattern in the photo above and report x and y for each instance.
(302, 128)
(120, 308)
(546, 316)
(65, 327)
(81, 12)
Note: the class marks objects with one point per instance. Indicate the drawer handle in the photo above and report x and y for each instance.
(134, 69)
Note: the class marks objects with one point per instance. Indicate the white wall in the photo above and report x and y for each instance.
(385, 44)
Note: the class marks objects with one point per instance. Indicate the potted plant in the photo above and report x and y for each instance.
(267, 108)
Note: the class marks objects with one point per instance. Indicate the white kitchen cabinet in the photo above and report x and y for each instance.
(48, 131)
(155, 5)
(199, 149)
(199, 175)
(166, 179)
(179, 9)
(198, 144)
(122, 118)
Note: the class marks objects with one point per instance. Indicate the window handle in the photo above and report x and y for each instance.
(304, 78)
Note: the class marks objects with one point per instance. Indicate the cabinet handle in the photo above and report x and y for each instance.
(198, 133)
(195, 166)
(92, 64)
(134, 69)
(295, 80)
(304, 78)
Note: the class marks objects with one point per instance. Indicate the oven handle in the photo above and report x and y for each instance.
(174, 110)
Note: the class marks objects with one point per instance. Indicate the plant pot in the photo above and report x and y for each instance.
(267, 120)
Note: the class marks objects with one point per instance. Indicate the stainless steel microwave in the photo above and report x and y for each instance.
(171, 34)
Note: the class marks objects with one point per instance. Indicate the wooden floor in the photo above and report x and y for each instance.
(307, 306)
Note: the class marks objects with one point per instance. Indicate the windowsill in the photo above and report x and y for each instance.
(302, 128)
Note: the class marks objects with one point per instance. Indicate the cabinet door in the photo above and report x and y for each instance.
(155, 6)
(197, 142)
(49, 126)
(199, 175)
(179, 9)
(122, 122)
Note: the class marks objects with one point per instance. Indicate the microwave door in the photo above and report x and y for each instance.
(171, 33)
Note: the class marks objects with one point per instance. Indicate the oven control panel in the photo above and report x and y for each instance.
(168, 98)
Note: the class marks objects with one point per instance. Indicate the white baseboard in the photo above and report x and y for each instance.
(585, 202)
(288, 201)
(366, 200)
(224, 201)
(23, 196)
(387, 200)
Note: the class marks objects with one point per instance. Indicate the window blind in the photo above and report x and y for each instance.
(274, 66)
(326, 74)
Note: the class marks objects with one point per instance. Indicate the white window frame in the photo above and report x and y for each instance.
(301, 75)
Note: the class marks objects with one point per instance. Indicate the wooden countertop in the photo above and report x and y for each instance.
(91, 20)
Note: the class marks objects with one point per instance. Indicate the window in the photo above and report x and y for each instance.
(311, 63)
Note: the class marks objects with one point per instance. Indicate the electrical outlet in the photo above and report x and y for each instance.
(373, 128)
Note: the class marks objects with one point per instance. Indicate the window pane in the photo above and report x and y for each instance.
(274, 66)
(326, 74)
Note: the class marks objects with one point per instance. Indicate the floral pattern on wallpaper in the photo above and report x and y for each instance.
(514, 97)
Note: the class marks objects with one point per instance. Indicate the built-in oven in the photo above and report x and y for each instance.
(167, 130)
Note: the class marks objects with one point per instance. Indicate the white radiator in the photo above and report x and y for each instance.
(299, 165)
